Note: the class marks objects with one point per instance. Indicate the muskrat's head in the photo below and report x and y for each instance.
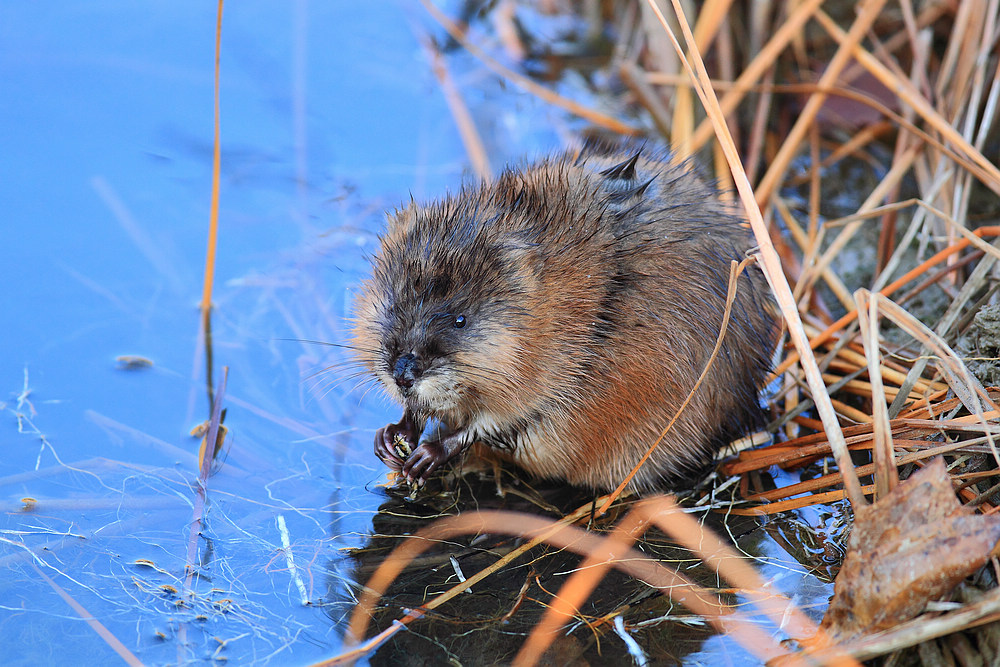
(442, 320)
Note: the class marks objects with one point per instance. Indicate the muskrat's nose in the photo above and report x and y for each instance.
(406, 370)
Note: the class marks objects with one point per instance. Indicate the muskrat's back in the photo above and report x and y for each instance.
(561, 315)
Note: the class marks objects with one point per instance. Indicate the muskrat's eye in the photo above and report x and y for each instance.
(460, 321)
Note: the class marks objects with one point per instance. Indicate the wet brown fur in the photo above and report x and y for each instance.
(591, 304)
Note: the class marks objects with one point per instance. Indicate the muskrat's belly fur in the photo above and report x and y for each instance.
(561, 315)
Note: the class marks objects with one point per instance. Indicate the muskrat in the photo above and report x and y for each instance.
(560, 315)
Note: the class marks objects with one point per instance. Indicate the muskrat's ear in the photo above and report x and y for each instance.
(621, 182)
(623, 170)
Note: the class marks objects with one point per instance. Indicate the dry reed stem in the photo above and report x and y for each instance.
(758, 132)
(909, 36)
(579, 585)
(770, 263)
(710, 17)
(983, 169)
(832, 479)
(758, 67)
(807, 245)
(849, 358)
(888, 290)
(867, 14)
(505, 25)
(896, 119)
(935, 278)
(657, 55)
(966, 387)
(213, 219)
(796, 503)
(854, 145)
(524, 82)
(632, 77)
(931, 405)
(889, 182)
(856, 360)
(865, 390)
(206, 456)
(207, 453)
(812, 245)
(966, 424)
(788, 455)
(855, 415)
(388, 571)
(886, 478)
(972, 237)
(794, 452)
(460, 112)
(689, 533)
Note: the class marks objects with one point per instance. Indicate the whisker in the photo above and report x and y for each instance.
(335, 382)
(363, 379)
(337, 367)
(373, 386)
(342, 346)
(316, 342)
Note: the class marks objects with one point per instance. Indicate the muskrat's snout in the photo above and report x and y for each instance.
(406, 370)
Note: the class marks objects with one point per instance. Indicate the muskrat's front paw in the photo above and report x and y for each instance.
(394, 442)
(424, 460)
(385, 450)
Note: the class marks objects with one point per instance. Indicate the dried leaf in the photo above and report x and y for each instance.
(911, 547)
